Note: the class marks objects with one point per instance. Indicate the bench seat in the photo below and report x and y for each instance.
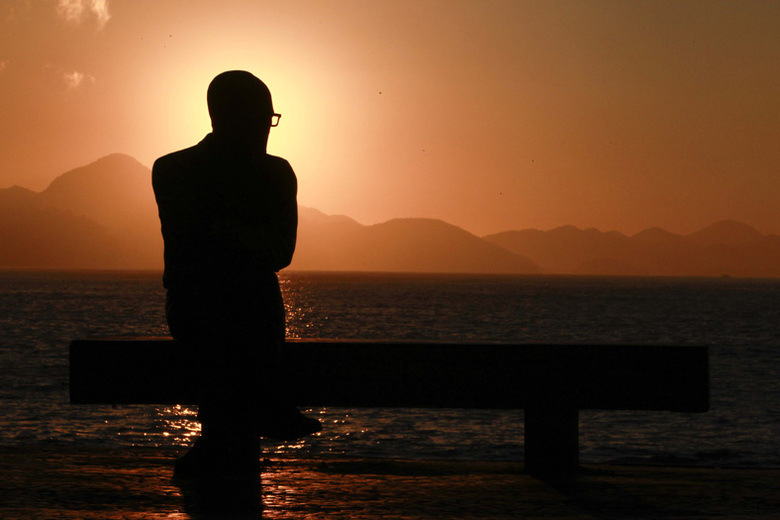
(550, 382)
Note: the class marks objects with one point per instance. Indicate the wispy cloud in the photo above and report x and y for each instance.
(76, 11)
(3, 65)
(75, 79)
(100, 10)
(13, 11)
(71, 10)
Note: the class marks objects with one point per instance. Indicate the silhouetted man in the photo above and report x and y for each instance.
(229, 218)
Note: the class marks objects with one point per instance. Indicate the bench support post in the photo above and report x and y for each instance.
(552, 441)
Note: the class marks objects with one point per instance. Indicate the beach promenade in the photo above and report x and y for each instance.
(137, 483)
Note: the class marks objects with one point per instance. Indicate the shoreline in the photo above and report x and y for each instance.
(158, 271)
(111, 483)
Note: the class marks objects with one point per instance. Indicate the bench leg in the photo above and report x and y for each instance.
(552, 441)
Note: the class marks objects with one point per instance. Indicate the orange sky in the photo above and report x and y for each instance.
(491, 115)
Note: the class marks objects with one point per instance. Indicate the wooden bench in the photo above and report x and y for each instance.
(550, 382)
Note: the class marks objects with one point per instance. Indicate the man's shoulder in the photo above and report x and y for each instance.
(278, 162)
(279, 165)
(280, 169)
(177, 159)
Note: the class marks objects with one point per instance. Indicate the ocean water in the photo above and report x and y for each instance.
(41, 312)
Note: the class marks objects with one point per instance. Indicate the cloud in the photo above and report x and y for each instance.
(75, 11)
(71, 10)
(3, 65)
(75, 79)
(72, 78)
(13, 11)
(100, 10)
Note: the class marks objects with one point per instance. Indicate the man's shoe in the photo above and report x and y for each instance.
(286, 424)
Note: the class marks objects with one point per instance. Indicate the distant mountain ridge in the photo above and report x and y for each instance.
(99, 216)
(725, 248)
(103, 216)
(404, 244)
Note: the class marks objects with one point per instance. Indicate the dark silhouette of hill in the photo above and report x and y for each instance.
(410, 245)
(567, 249)
(726, 233)
(15, 198)
(724, 248)
(737, 249)
(103, 216)
(48, 238)
(115, 192)
(99, 216)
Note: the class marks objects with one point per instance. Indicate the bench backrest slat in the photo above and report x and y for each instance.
(354, 373)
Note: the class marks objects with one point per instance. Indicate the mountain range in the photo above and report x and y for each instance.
(103, 216)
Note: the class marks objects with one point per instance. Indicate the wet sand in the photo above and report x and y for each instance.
(137, 483)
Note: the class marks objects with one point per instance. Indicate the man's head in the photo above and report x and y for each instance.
(239, 105)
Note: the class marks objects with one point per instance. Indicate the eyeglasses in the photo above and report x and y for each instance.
(275, 119)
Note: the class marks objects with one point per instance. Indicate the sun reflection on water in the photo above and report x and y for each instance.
(177, 425)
